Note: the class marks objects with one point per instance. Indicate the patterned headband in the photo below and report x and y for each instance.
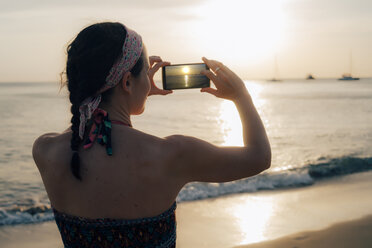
(132, 49)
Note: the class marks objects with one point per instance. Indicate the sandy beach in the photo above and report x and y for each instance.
(302, 216)
(351, 234)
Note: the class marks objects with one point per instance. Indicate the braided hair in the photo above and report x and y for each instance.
(90, 57)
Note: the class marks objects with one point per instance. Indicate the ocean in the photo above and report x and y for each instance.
(317, 129)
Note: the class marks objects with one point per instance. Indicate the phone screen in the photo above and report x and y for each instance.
(184, 76)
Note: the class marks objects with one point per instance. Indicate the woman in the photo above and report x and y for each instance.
(122, 194)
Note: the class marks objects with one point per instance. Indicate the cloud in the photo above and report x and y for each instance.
(22, 5)
(320, 10)
(339, 17)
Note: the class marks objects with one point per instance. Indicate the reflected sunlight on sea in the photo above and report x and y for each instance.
(308, 122)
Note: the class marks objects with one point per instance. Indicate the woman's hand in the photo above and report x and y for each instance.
(155, 64)
(229, 85)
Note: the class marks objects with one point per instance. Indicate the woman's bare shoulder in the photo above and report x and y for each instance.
(45, 139)
(43, 145)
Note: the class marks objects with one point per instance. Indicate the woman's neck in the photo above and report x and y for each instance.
(117, 113)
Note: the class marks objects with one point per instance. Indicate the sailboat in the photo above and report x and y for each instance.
(276, 77)
(348, 76)
(310, 77)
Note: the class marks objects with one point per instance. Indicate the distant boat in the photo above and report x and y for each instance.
(348, 76)
(274, 80)
(310, 77)
(276, 77)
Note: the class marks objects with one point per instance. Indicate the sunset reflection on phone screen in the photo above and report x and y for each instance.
(185, 69)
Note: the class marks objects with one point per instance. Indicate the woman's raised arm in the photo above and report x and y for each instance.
(192, 159)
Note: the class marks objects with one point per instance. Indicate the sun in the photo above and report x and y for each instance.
(244, 30)
(185, 69)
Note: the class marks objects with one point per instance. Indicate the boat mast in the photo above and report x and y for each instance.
(351, 62)
(276, 68)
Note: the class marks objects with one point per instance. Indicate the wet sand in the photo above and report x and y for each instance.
(351, 234)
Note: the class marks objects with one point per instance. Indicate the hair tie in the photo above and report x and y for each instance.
(132, 49)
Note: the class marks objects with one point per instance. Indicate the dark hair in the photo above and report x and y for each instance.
(90, 57)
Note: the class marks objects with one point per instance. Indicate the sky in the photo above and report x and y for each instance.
(305, 36)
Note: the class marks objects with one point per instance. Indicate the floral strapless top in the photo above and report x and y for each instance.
(158, 231)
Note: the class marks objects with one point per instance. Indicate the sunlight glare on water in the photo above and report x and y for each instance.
(231, 126)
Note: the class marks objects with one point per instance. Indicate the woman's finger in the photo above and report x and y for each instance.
(165, 92)
(228, 84)
(156, 91)
(213, 64)
(218, 68)
(157, 66)
(215, 79)
(225, 71)
(209, 90)
(153, 59)
(210, 75)
(208, 63)
(218, 64)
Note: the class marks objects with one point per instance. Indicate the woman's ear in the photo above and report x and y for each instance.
(126, 83)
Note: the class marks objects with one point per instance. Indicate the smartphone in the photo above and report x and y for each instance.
(184, 76)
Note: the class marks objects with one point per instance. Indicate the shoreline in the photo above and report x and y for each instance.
(248, 218)
(241, 219)
(355, 233)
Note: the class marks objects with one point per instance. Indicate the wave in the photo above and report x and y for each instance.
(295, 177)
(25, 215)
(290, 178)
(339, 166)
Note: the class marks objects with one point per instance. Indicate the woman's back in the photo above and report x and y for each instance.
(132, 183)
(136, 175)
